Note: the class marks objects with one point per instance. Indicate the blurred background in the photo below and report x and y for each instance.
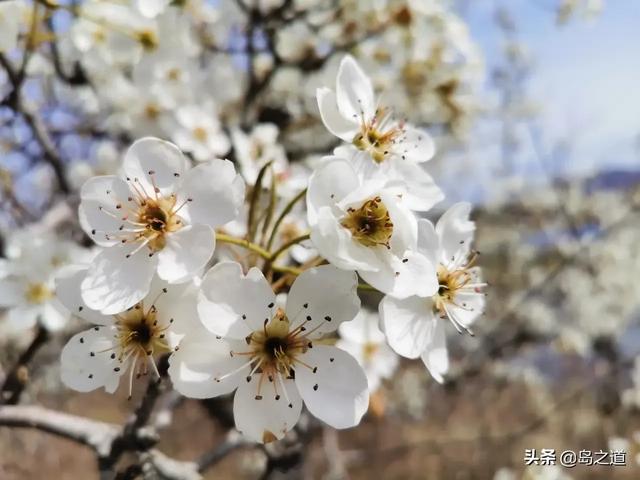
(534, 108)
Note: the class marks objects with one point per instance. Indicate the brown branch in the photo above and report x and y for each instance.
(18, 376)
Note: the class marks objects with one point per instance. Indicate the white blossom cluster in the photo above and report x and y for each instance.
(165, 277)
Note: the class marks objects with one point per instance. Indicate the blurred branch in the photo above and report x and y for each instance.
(232, 441)
(34, 121)
(18, 376)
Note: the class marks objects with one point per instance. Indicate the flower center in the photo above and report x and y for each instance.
(38, 293)
(139, 333)
(147, 38)
(378, 136)
(369, 351)
(200, 134)
(157, 217)
(275, 347)
(370, 224)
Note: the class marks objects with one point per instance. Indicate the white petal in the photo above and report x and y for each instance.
(329, 183)
(408, 324)
(104, 204)
(416, 146)
(362, 329)
(68, 291)
(115, 282)
(337, 393)
(186, 252)
(336, 123)
(428, 241)
(82, 371)
(199, 368)
(455, 231)
(11, 292)
(322, 298)
(215, 192)
(163, 159)
(54, 316)
(413, 274)
(420, 191)
(260, 416)
(23, 317)
(435, 356)
(232, 304)
(354, 91)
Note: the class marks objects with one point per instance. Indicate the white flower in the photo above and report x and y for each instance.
(379, 143)
(363, 339)
(272, 357)
(159, 217)
(27, 287)
(414, 326)
(255, 149)
(199, 133)
(365, 225)
(125, 342)
(10, 20)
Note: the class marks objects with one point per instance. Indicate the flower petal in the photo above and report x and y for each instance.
(68, 291)
(329, 183)
(354, 91)
(234, 305)
(435, 356)
(89, 360)
(215, 193)
(407, 324)
(203, 366)
(263, 411)
(155, 164)
(416, 146)
(335, 388)
(186, 253)
(420, 191)
(456, 232)
(115, 282)
(104, 205)
(11, 292)
(336, 123)
(308, 302)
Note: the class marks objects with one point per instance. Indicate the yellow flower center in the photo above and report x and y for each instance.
(147, 38)
(370, 224)
(378, 136)
(200, 134)
(139, 333)
(38, 293)
(369, 351)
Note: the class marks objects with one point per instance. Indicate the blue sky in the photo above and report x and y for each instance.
(586, 78)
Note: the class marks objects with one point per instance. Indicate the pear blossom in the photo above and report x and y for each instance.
(157, 217)
(27, 280)
(365, 225)
(126, 343)
(10, 20)
(256, 149)
(363, 339)
(198, 132)
(272, 357)
(378, 142)
(415, 326)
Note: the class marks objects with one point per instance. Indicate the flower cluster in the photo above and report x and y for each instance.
(149, 292)
(243, 273)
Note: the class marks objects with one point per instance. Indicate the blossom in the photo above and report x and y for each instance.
(378, 142)
(158, 217)
(126, 343)
(363, 339)
(256, 149)
(27, 288)
(365, 225)
(272, 357)
(414, 326)
(10, 20)
(198, 132)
